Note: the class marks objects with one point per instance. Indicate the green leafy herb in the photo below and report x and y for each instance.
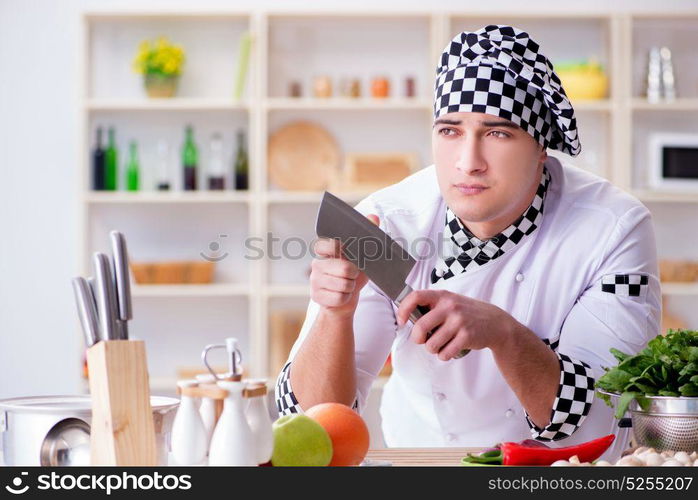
(668, 366)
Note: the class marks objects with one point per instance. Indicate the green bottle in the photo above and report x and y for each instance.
(111, 156)
(132, 168)
(190, 159)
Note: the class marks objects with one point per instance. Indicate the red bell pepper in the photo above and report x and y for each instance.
(521, 454)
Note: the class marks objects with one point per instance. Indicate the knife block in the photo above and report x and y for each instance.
(122, 432)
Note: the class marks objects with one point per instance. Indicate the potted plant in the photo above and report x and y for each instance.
(160, 62)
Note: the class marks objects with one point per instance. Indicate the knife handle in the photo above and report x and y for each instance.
(420, 311)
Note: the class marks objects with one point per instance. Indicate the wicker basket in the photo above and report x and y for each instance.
(174, 272)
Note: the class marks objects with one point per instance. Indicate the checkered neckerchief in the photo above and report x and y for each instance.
(476, 252)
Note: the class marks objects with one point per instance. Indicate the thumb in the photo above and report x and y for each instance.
(374, 218)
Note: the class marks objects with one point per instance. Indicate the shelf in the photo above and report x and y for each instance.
(679, 288)
(338, 103)
(288, 291)
(210, 290)
(605, 105)
(166, 104)
(279, 197)
(681, 104)
(122, 197)
(651, 196)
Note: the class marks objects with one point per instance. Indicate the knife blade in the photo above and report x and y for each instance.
(86, 310)
(372, 250)
(123, 284)
(105, 295)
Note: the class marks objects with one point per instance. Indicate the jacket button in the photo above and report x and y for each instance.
(519, 277)
(440, 396)
(509, 413)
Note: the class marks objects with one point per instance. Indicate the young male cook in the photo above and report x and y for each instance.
(547, 268)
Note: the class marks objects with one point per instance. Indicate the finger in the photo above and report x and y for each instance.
(334, 283)
(413, 299)
(340, 268)
(441, 336)
(330, 298)
(425, 325)
(327, 248)
(374, 218)
(457, 343)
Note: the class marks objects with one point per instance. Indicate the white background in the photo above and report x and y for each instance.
(39, 149)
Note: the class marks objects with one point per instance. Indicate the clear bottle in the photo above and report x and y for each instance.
(216, 168)
(163, 167)
(232, 442)
(189, 441)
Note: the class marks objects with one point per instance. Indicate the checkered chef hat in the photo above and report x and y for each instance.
(499, 70)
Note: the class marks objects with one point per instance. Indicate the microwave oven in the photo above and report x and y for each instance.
(673, 161)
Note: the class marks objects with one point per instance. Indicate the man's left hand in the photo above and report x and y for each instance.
(457, 322)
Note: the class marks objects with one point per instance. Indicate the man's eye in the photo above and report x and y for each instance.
(499, 134)
(446, 131)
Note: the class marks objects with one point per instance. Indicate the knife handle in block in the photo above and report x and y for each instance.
(421, 311)
(123, 431)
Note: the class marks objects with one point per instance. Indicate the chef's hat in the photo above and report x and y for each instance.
(499, 70)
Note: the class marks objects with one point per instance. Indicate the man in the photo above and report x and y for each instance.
(546, 268)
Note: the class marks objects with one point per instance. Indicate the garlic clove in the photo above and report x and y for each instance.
(683, 457)
(630, 460)
(560, 463)
(672, 462)
(653, 459)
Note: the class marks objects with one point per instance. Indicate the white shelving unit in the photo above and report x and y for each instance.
(297, 46)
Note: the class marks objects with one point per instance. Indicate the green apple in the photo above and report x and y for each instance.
(300, 441)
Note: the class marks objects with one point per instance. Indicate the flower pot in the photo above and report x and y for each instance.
(157, 85)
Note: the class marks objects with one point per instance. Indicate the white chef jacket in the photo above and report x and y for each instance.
(551, 282)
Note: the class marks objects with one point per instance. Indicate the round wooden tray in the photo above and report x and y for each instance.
(302, 157)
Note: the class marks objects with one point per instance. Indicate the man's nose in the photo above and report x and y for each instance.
(470, 159)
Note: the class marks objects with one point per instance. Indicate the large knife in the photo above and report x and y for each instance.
(372, 250)
(105, 296)
(122, 283)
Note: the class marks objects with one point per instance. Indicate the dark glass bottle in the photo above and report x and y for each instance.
(98, 163)
(111, 157)
(241, 164)
(190, 159)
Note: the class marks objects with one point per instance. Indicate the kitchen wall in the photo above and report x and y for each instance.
(39, 344)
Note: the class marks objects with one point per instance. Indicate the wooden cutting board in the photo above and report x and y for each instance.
(426, 457)
(302, 156)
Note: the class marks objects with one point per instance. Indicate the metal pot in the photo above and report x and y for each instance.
(666, 423)
(55, 430)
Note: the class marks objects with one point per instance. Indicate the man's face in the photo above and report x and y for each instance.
(487, 167)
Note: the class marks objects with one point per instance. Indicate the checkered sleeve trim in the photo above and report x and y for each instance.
(626, 285)
(286, 402)
(572, 403)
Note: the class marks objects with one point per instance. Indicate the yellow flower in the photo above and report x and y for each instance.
(158, 56)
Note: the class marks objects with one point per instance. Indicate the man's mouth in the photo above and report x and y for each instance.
(470, 189)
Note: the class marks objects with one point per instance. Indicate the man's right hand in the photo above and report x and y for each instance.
(335, 282)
